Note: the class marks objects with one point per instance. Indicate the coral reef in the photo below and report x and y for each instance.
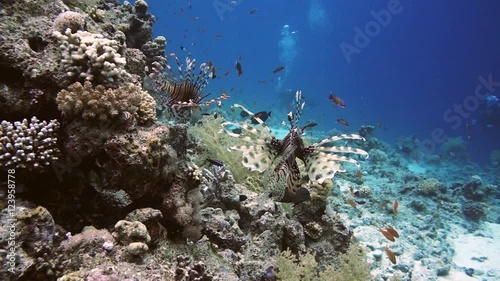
(101, 104)
(353, 266)
(35, 230)
(476, 190)
(378, 156)
(191, 271)
(28, 144)
(473, 210)
(102, 198)
(140, 25)
(429, 187)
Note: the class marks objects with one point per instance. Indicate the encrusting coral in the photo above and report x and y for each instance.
(85, 101)
(28, 144)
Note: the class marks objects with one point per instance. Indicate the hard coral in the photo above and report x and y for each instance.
(31, 145)
(429, 187)
(91, 56)
(99, 103)
(68, 19)
(473, 210)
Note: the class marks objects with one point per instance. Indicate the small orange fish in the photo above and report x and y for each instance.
(387, 235)
(392, 231)
(390, 255)
(351, 190)
(395, 207)
(359, 174)
(352, 203)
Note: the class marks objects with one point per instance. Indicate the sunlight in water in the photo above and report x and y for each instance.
(316, 15)
(288, 52)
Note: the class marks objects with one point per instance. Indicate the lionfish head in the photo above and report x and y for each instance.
(277, 159)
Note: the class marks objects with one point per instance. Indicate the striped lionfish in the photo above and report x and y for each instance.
(186, 88)
(277, 159)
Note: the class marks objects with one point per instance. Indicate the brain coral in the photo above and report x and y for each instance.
(85, 101)
(71, 20)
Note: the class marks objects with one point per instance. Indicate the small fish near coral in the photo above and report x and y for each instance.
(215, 162)
(390, 255)
(277, 159)
(390, 233)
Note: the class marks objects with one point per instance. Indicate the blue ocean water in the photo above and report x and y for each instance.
(405, 66)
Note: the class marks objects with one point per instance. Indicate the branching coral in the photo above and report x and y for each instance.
(31, 145)
(99, 103)
(91, 56)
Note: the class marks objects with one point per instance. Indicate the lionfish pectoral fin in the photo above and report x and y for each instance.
(255, 157)
(321, 166)
(247, 133)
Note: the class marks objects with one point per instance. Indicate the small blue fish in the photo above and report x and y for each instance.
(215, 162)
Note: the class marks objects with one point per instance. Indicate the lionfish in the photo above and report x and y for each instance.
(277, 159)
(184, 89)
